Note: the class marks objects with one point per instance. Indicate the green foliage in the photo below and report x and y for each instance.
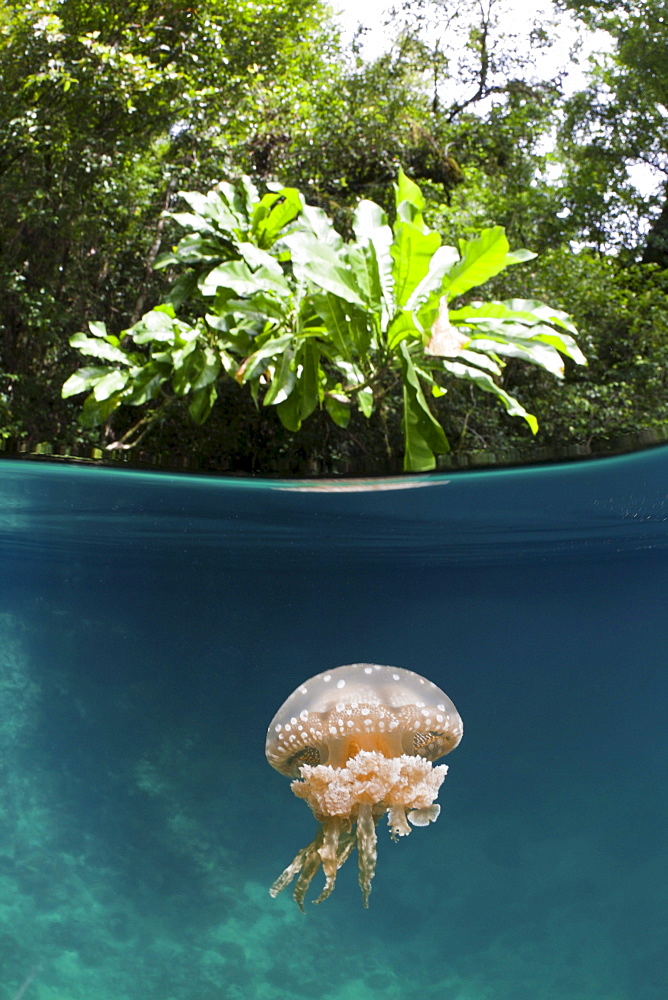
(282, 304)
(105, 110)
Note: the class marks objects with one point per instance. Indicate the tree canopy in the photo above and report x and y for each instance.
(110, 110)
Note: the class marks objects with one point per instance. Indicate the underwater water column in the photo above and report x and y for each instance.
(151, 625)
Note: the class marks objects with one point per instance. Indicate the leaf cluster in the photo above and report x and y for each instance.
(306, 319)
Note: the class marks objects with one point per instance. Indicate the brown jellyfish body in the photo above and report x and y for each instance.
(360, 742)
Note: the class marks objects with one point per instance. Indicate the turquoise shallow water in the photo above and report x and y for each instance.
(151, 625)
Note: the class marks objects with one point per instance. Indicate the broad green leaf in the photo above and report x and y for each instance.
(261, 307)
(338, 407)
(83, 379)
(97, 348)
(97, 412)
(375, 236)
(112, 383)
(362, 260)
(189, 220)
(145, 384)
(401, 327)
(289, 411)
(273, 213)
(194, 249)
(98, 329)
(183, 289)
(543, 312)
(245, 196)
(257, 258)
(412, 251)
(238, 277)
(308, 356)
(440, 264)
(485, 361)
(365, 401)
(304, 396)
(482, 258)
(424, 437)
(319, 264)
(529, 311)
(283, 380)
(202, 402)
(561, 341)
(487, 384)
(155, 325)
(321, 226)
(256, 363)
(212, 207)
(345, 326)
(408, 190)
(519, 257)
(525, 350)
(194, 368)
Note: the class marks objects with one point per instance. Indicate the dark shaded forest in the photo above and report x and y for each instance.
(109, 110)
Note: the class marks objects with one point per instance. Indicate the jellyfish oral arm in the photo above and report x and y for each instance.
(348, 802)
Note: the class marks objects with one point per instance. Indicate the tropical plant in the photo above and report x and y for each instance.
(270, 294)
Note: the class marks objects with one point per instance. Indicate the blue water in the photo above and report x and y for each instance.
(150, 627)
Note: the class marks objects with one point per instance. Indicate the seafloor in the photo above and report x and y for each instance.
(151, 626)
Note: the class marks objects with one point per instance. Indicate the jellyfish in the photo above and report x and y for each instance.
(360, 742)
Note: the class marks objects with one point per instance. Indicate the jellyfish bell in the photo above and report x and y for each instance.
(360, 742)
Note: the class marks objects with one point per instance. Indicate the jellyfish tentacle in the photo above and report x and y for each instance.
(307, 861)
(309, 870)
(329, 854)
(366, 849)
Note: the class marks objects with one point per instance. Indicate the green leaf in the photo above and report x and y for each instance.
(189, 220)
(215, 208)
(308, 356)
(283, 380)
(156, 325)
(98, 348)
(257, 258)
(338, 407)
(487, 384)
(561, 341)
(202, 402)
(529, 311)
(365, 401)
(305, 395)
(98, 329)
(256, 363)
(273, 213)
(407, 190)
(401, 327)
(543, 312)
(238, 277)
(83, 379)
(482, 258)
(319, 264)
(412, 251)
(346, 326)
(145, 384)
(375, 237)
(112, 383)
(424, 437)
(442, 261)
(97, 412)
(525, 350)
(321, 227)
